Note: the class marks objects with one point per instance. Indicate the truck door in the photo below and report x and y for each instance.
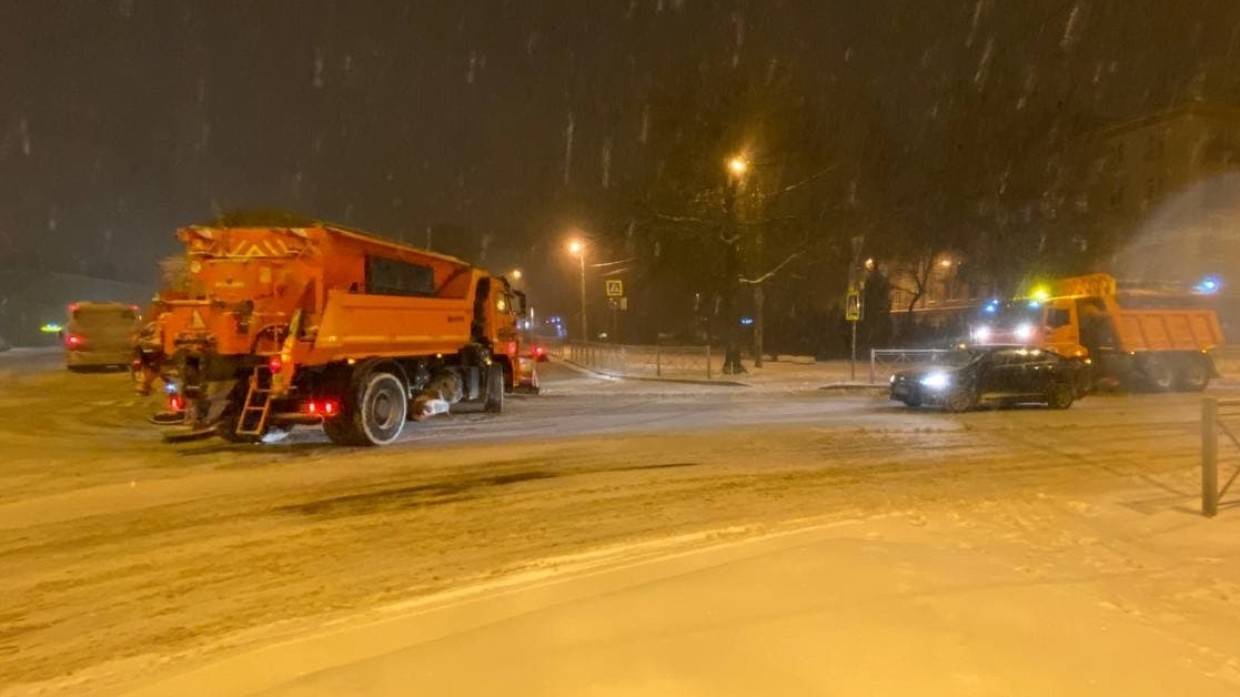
(1060, 328)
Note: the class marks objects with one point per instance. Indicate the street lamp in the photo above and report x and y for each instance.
(516, 274)
(737, 166)
(578, 249)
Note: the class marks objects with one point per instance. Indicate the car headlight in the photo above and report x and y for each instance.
(936, 381)
(1024, 332)
(981, 334)
(892, 380)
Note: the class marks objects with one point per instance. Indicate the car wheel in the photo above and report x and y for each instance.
(912, 402)
(1060, 397)
(958, 400)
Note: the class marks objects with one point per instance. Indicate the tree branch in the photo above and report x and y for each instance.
(807, 180)
(767, 276)
(667, 217)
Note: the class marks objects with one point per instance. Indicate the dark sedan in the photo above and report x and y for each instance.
(1000, 375)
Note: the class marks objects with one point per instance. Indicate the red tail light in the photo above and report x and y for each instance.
(73, 340)
(539, 350)
(323, 407)
(176, 403)
(275, 364)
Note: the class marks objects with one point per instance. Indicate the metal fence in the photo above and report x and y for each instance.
(1214, 413)
(885, 362)
(640, 361)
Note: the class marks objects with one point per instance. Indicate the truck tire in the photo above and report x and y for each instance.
(373, 411)
(495, 389)
(1193, 375)
(1158, 373)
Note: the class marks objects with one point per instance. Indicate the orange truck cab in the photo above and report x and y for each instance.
(279, 326)
(1144, 340)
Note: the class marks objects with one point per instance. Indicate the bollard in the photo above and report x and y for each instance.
(658, 362)
(708, 362)
(1209, 457)
(872, 376)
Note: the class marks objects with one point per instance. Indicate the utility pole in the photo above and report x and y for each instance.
(731, 268)
(585, 320)
(577, 248)
(759, 302)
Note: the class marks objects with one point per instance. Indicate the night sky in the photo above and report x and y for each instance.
(122, 120)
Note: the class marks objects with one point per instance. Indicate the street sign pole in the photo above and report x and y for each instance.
(852, 304)
(852, 313)
(852, 363)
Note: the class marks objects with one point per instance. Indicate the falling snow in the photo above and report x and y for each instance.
(606, 162)
(568, 148)
(1070, 28)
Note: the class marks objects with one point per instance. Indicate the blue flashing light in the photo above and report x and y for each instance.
(746, 321)
(1035, 304)
(1208, 285)
(991, 307)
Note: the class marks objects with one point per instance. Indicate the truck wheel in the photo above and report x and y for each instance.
(374, 411)
(495, 389)
(1159, 376)
(1061, 396)
(1193, 375)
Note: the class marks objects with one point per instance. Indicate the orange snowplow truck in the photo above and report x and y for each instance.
(1130, 337)
(279, 326)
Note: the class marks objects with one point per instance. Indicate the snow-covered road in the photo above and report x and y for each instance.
(127, 557)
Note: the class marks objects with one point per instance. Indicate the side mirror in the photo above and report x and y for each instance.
(519, 303)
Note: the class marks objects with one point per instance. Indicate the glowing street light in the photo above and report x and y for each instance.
(576, 247)
(738, 166)
(516, 274)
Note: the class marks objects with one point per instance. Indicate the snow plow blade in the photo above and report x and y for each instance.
(167, 418)
(187, 435)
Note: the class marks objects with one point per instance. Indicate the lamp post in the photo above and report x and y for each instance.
(736, 169)
(578, 249)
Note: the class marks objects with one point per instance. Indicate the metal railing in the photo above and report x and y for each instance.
(1213, 413)
(884, 362)
(640, 361)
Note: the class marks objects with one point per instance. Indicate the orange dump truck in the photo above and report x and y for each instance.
(1133, 338)
(278, 326)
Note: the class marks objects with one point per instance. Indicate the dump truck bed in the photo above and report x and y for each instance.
(1167, 330)
(378, 325)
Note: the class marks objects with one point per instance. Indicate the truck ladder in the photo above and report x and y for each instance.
(257, 407)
